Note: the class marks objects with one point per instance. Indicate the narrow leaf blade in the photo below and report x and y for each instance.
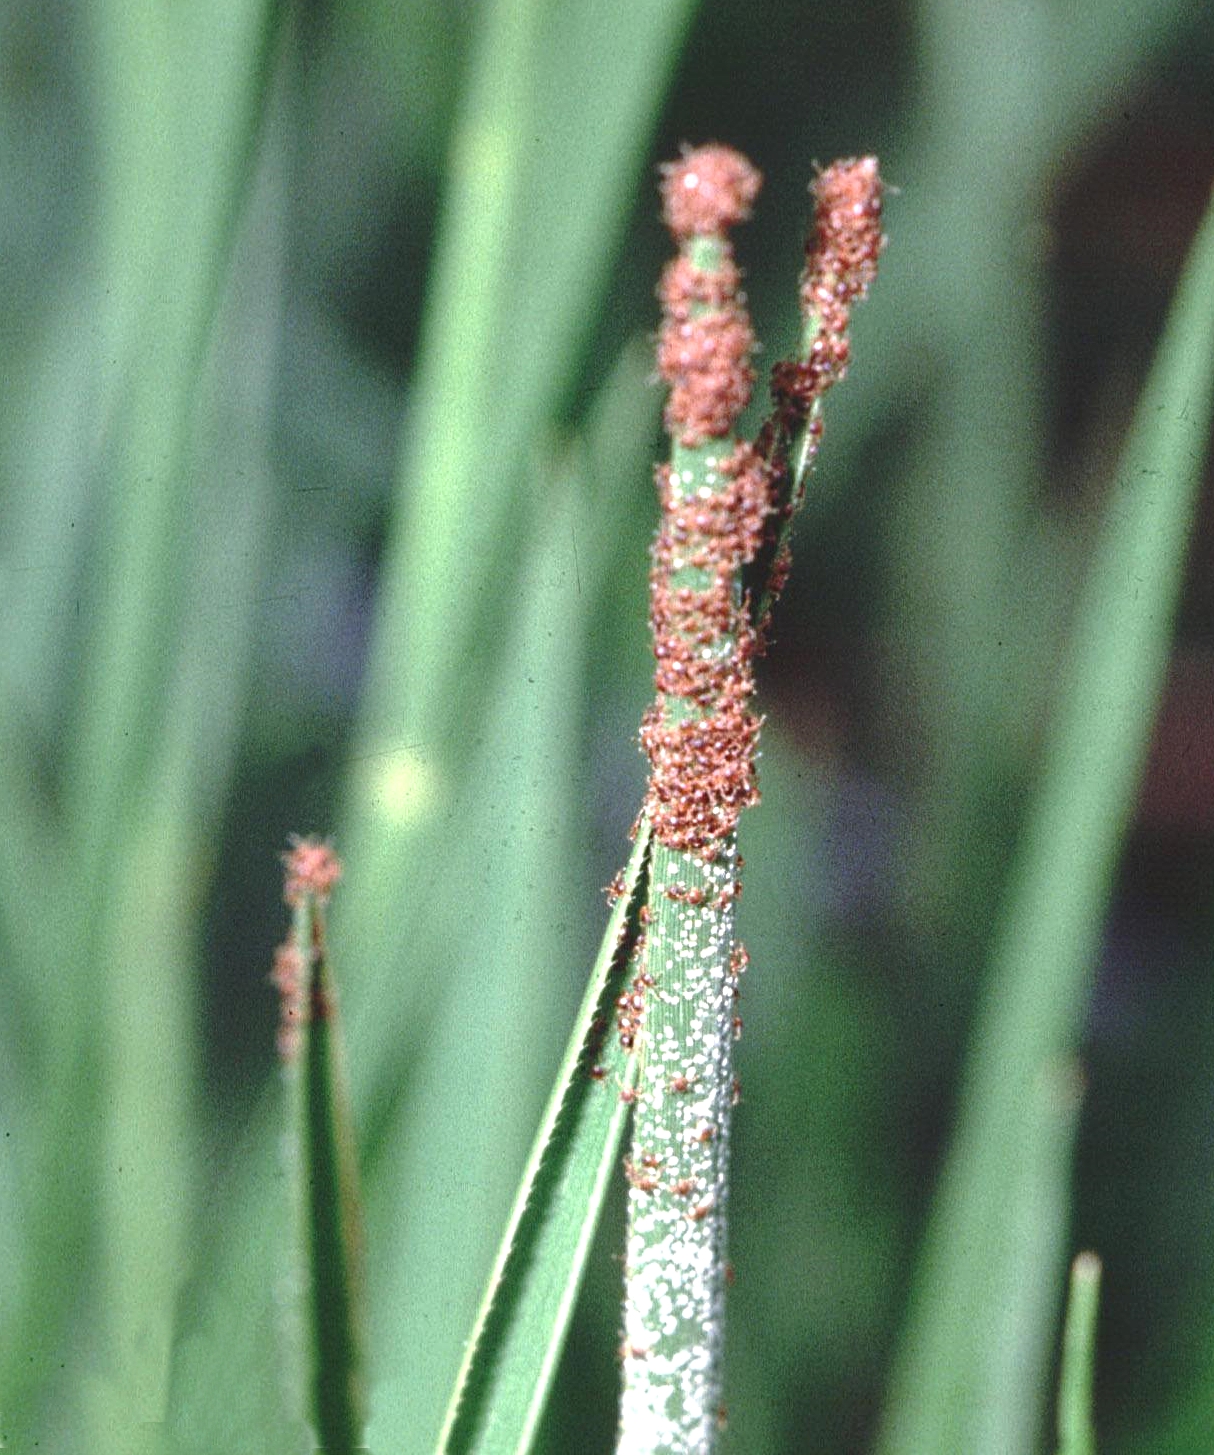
(955, 1350)
(334, 1213)
(520, 1329)
(1076, 1432)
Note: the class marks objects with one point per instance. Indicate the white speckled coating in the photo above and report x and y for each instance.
(675, 1261)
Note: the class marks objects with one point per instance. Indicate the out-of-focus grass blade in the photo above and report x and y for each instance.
(233, 1314)
(963, 527)
(104, 1151)
(542, 174)
(496, 952)
(1076, 1431)
(1030, 1235)
(468, 514)
(1049, 932)
(134, 1105)
(501, 985)
(178, 149)
(520, 1329)
(520, 795)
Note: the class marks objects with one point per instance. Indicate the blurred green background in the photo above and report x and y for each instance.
(327, 428)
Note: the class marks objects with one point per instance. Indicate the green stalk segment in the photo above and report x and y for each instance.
(678, 1013)
(676, 1255)
(310, 1042)
(1076, 1431)
(720, 500)
(682, 1002)
(841, 255)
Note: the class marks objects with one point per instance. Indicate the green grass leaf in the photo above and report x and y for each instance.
(956, 1348)
(330, 1204)
(1076, 1433)
(542, 174)
(523, 1319)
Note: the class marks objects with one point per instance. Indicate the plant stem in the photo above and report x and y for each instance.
(841, 254)
(684, 994)
(334, 1217)
(700, 737)
(676, 1265)
(1076, 1432)
(322, 1126)
(720, 501)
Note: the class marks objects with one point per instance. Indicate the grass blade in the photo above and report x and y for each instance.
(179, 149)
(1046, 942)
(519, 1331)
(535, 210)
(322, 1127)
(1076, 1432)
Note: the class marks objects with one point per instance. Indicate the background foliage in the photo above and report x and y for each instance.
(324, 474)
